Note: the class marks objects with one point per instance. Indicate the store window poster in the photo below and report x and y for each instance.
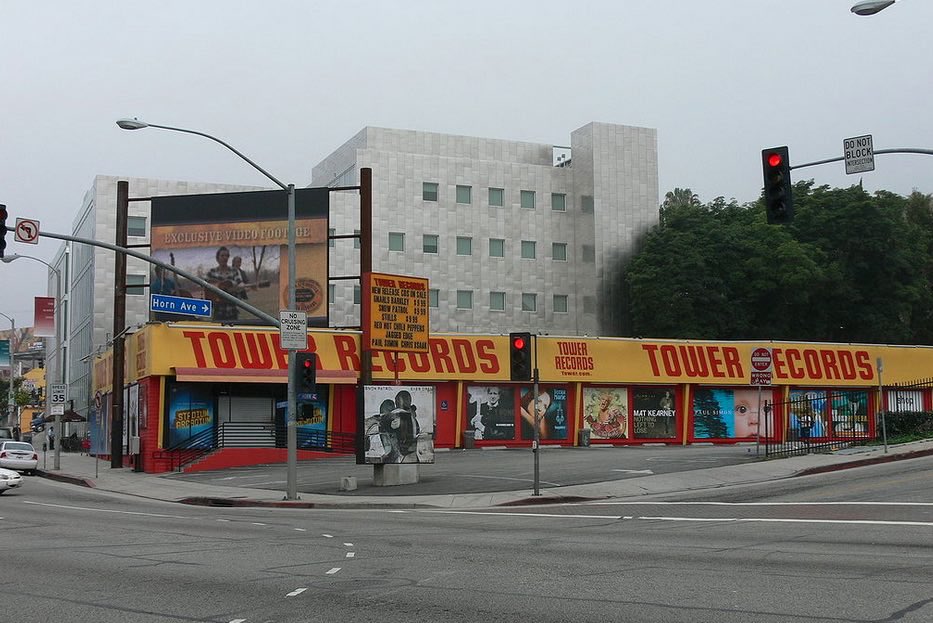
(653, 413)
(551, 408)
(605, 412)
(726, 414)
(190, 413)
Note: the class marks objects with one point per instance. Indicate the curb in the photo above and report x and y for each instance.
(245, 502)
(862, 462)
(74, 480)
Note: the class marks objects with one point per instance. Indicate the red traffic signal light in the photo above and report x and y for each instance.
(3, 228)
(520, 366)
(779, 204)
(307, 372)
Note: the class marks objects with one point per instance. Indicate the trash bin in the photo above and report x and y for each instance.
(469, 436)
(583, 437)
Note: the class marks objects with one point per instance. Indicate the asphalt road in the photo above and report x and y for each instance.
(855, 545)
(485, 471)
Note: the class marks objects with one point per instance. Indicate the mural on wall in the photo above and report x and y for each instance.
(491, 412)
(551, 408)
(605, 412)
(728, 414)
(653, 413)
(190, 411)
(399, 424)
(807, 410)
(849, 416)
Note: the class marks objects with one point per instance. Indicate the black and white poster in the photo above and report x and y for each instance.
(399, 424)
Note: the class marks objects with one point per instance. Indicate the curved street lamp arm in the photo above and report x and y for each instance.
(228, 146)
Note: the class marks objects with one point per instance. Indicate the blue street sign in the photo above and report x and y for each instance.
(180, 305)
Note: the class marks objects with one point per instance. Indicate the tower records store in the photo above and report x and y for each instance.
(185, 379)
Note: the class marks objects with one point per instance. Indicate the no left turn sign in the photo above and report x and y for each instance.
(27, 230)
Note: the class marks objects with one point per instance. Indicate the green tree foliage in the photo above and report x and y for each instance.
(851, 267)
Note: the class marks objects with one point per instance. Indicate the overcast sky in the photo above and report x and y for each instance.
(287, 82)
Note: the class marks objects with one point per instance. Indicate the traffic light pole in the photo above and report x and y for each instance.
(536, 444)
(902, 150)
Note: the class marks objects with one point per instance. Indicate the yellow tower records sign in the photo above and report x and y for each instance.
(395, 316)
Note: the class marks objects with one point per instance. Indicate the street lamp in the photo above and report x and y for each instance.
(870, 7)
(57, 463)
(292, 439)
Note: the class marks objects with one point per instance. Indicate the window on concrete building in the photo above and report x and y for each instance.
(464, 194)
(529, 302)
(464, 299)
(496, 197)
(396, 241)
(136, 226)
(429, 243)
(433, 295)
(586, 204)
(356, 241)
(588, 253)
(357, 298)
(559, 251)
(330, 237)
(561, 303)
(496, 247)
(135, 284)
(497, 301)
(331, 293)
(528, 249)
(429, 191)
(464, 245)
(559, 202)
(528, 199)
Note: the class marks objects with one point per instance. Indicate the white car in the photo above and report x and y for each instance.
(9, 480)
(19, 455)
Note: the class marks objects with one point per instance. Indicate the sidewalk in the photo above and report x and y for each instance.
(87, 471)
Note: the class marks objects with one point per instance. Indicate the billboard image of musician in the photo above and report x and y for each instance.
(238, 243)
(399, 424)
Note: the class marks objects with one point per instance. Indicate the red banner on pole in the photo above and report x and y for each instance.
(44, 321)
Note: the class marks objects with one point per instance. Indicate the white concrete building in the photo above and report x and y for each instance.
(511, 235)
(85, 314)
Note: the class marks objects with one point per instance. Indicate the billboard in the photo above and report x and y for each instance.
(399, 424)
(238, 242)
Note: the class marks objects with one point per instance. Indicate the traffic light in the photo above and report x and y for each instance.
(520, 356)
(307, 372)
(3, 228)
(779, 204)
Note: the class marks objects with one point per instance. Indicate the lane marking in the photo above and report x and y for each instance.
(256, 523)
(633, 471)
(107, 510)
(328, 536)
(333, 571)
(544, 482)
(237, 620)
(497, 514)
(642, 503)
(301, 530)
(351, 554)
(864, 522)
(297, 591)
(348, 544)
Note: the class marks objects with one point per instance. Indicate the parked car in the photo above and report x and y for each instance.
(19, 455)
(9, 480)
